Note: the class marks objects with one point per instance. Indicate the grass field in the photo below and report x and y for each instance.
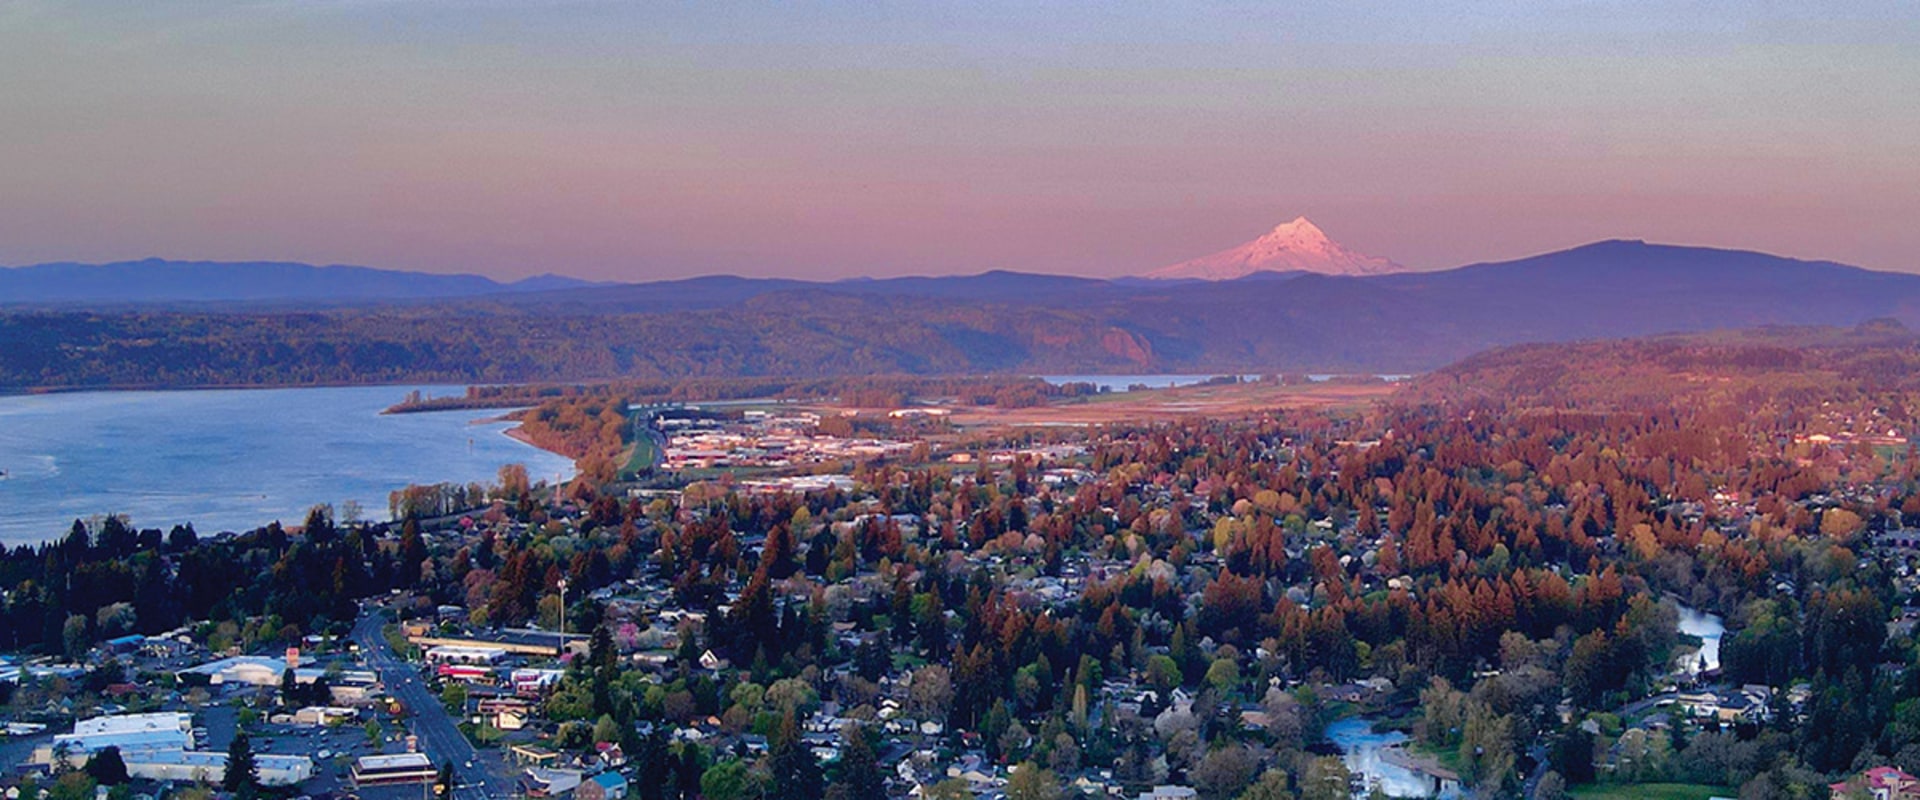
(644, 454)
(1651, 791)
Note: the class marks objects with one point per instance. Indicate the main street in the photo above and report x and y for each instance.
(439, 734)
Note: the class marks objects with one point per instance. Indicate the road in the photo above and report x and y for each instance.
(439, 735)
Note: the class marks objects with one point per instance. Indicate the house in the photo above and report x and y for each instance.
(1879, 783)
(608, 785)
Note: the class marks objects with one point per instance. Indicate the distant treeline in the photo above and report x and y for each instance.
(60, 350)
(874, 391)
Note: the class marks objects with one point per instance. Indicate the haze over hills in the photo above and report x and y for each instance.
(1297, 246)
(993, 322)
(157, 280)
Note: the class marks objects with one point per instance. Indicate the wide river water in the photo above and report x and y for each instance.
(235, 459)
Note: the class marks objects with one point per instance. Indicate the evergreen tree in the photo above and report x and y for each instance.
(792, 765)
(107, 767)
(243, 775)
(857, 774)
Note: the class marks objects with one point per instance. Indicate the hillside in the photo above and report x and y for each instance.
(1748, 368)
(994, 322)
(156, 280)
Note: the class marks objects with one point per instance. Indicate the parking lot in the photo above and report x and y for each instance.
(333, 750)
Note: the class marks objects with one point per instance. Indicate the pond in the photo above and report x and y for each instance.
(1370, 754)
(1709, 628)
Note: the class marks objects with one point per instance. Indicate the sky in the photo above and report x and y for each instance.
(821, 140)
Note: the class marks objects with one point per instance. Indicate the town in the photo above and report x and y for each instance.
(1315, 602)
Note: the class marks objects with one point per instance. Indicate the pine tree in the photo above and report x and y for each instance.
(857, 774)
(792, 765)
(107, 767)
(243, 775)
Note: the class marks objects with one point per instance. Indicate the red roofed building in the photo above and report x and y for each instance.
(1879, 783)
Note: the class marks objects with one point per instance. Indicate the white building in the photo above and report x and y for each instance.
(159, 747)
(129, 732)
(457, 654)
(251, 670)
(395, 768)
(180, 766)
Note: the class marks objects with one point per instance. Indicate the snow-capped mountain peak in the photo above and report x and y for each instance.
(1293, 246)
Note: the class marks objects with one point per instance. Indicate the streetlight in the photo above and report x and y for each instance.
(563, 616)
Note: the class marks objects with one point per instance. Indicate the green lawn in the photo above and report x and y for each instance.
(1651, 791)
(645, 454)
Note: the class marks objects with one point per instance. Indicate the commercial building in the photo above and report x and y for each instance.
(160, 747)
(544, 782)
(129, 732)
(180, 766)
(458, 654)
(397, 768)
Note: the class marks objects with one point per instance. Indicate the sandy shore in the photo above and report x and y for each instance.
(521, 436)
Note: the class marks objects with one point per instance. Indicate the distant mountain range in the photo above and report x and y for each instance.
(1297, 246)
(156, 280)
(992, 322)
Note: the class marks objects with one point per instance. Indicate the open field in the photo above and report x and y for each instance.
(1651, 791)
(645, 453)
(1160, 404)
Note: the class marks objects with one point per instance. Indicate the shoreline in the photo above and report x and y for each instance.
(516, 434)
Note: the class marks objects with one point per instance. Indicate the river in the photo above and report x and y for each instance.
(234, 459)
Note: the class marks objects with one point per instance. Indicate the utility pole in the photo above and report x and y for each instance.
(563, 616)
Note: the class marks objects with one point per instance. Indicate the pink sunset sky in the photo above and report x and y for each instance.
(635, 141)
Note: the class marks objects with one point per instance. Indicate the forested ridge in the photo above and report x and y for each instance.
(992, 323)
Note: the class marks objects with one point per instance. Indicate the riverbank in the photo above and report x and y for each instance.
(518, 434)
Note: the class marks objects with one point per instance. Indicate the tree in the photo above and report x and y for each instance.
(1326, 778)
(73, 635)
(857, 774)
(931, 693)
(1271, 786)
(1225, 771)
(1030, 782)
(454, 697)
(1552, 787)
(243, 775)
(513, 482)
(727, 780)
(792, 765)
(1223, 674)
(1486, 746)
(75, 785)
(107, 768)
(949, 789)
